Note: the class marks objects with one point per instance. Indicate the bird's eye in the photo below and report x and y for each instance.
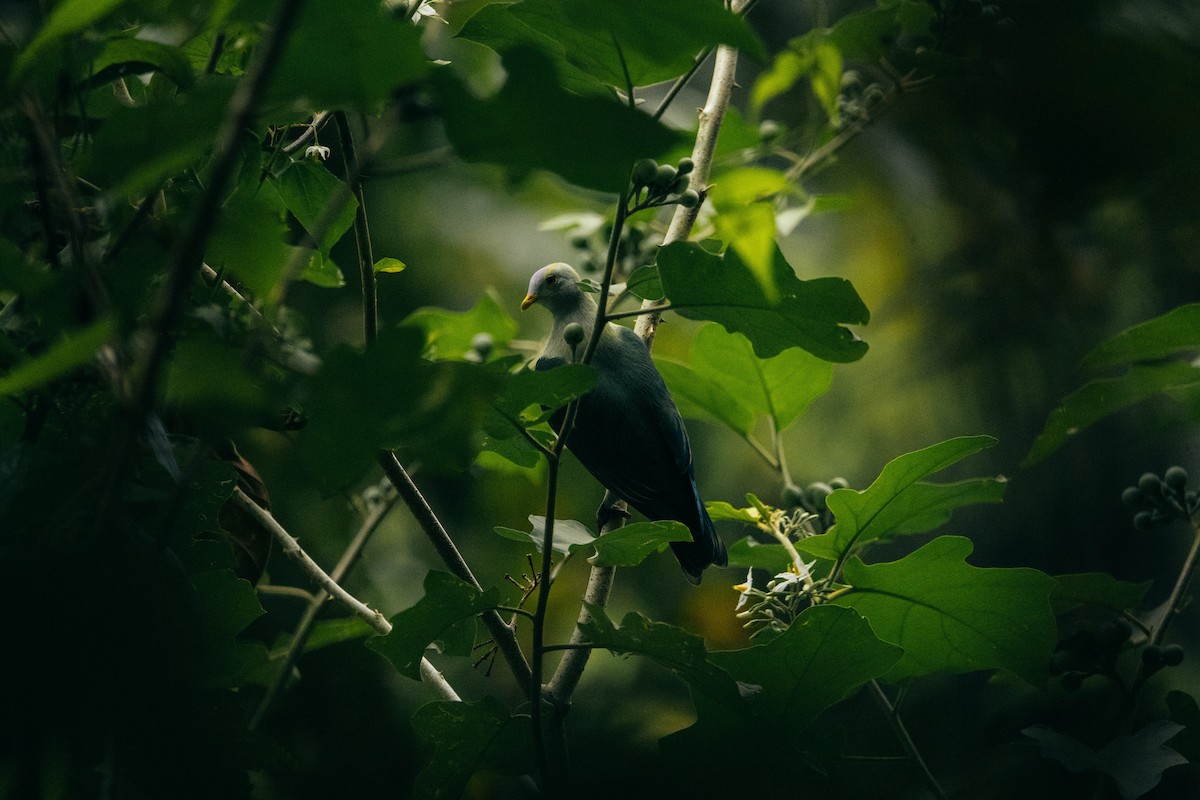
(552, 279)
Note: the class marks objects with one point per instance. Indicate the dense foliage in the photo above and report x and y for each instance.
(195, 284)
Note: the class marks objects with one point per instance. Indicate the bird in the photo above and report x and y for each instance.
(627, 432)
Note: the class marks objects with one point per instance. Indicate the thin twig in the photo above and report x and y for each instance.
(310, 130)
(893, 718)
(316, 603)
(362, 233)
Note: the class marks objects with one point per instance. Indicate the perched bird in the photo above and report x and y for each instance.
(627, 431)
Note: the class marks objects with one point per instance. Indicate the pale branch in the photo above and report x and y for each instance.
(571, 667)
(316, 602)
(292, 549)
(310, 130)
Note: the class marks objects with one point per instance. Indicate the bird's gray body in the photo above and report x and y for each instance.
(627, 432)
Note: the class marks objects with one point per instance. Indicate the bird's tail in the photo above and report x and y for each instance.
(704, 549)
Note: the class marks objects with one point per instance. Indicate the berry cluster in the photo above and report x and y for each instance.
(636, 247)
(1158, 500)
(1090, 651)
(664, 183)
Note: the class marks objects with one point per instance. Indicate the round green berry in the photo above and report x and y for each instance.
(1132, 498)
(1176, 477)
(1143, 521)
(1152, 655)
(1172, 655)
(665, 176)
(685, 166)
(689, 198)
(483, 344)
(1150, 484)
(839, 483)
(644, 171)
(817, 492)
(792, 495)
(573, 334)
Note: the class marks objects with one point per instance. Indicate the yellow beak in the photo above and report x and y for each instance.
(529, 300)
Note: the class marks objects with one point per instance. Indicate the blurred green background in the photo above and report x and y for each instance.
(1000, 220)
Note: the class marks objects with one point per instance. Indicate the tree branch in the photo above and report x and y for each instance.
(362, 233)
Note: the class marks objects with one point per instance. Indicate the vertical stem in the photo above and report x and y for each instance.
(552, 772)
(362, 233)
(910, 748)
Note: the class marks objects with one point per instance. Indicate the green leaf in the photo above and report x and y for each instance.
(550, 389)
(644, 284)
(656, 42)
(870, 34)
(347, 53)
(127, 56)
(320, 270)
(167, 138)
(389, 265)
(1174, 332)
(630, 545)
(1098, 399)
(673, 648)
(226, 605)
(1135, 762)
(826, 655)
(451, 334)
(307, 189)
(533, 123)
(781, 387)
(336, 631)
(750, 231)
(248, 242)
(569, 534)
(1096, 589)
(896, 503)
(748, 553)
(388, 397)
(447, 601)
(74, 349)
(719, 509)
(697, 396)
(953, 617)
(701, 285)
(813, 56)
(467, 738)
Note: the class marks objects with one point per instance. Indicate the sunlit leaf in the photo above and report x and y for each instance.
(390, 265)
(809, 314)
(952, 617)
(897, 503)
(452, 334)
(569, 534)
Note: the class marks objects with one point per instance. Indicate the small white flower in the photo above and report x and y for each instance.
(316, 150)
(744, 589)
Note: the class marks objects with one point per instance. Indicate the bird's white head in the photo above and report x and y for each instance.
(556, 286)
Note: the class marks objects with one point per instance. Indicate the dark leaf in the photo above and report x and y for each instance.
(467, 738)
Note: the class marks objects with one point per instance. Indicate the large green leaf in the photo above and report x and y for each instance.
(748, 553)
(953, 617)
(569, 534)
(533, 123)
(551, 389)
(824, 657)
(307, 188)
(780, 388)
(698, 396)
(896, 503)
(451, 334)
(67, 17)
(128, 56)
(447, 601)
(1098, 399)
(467, 738)
(589, 41)
(809, 314)
(347, 53)
(248, 242)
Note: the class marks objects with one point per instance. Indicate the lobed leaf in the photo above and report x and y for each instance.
(809, 314)
(1096, 589)
(447, 601)
(895, 503)
(950, 616)
(629, 546)
(569, 534)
